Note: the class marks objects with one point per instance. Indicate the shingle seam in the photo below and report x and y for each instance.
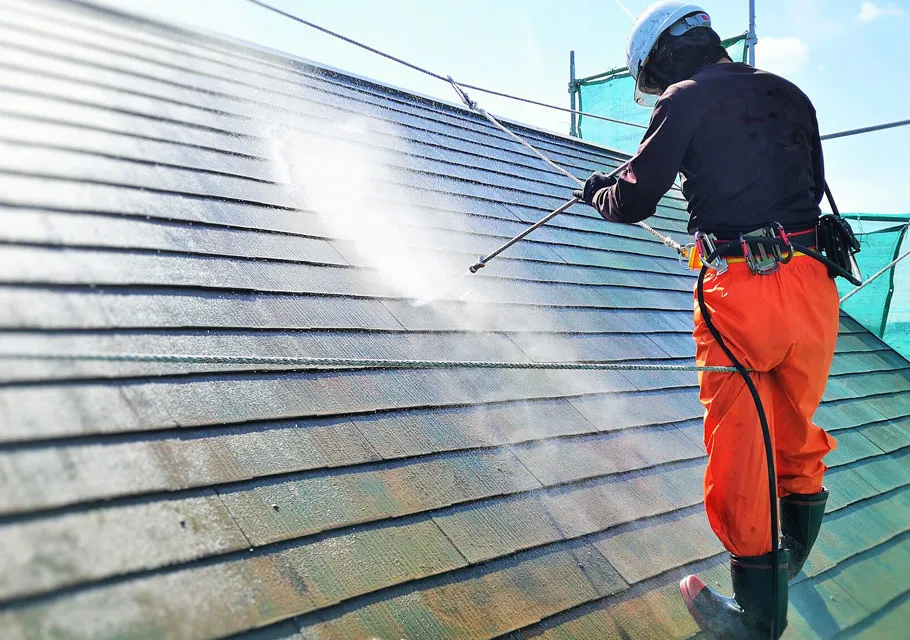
(42, 597)
(883, 421)
(606, 233)
(276, 230)
(248, 482)
(445, 536)
(149, 436)
(186, 221)
(189, 331)
(135, 187)
(291, 328)
(853, 558)
(383, 98)
(174, 430)
(57, 121)
(361, 85)
(865, 397)
(99, 286)
(53, 75)
(652, 283)
(437, 245)
(858, 628)
(330, 533)
(453, 163)
(128, 437)
(131, 159)
(196, 253)
(386, 593)
(177, 143)
(862, 500)
(220, 112)
(194, 49)
(864, 460)
(364, 412)
(246, 176)
(848, 510)
(240, 51)
(555, 242)
(839, 369)
(217, 493)
(271, 205)
(243, 51)
(634, 591)
(77, 101)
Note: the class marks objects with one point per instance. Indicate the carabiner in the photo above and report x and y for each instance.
(786, 240)
(704, 244)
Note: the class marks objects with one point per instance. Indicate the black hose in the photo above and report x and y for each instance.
(766, 435)
(839, 270)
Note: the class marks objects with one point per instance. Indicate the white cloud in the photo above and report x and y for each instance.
(870, 11)
(781, 55)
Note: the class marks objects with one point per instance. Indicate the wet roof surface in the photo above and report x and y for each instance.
(168, 192)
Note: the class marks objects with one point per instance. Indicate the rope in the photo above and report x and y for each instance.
(433, 74)
(553, 106)
(168, 358)
(875, 276)
(313, 25)
(666, 240)
(472, 104)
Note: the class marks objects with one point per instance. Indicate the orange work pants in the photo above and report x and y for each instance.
(783, 327)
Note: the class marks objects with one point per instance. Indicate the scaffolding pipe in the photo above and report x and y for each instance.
(573, 131)
(752, 39)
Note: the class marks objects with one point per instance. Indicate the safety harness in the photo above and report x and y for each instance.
(831, 241)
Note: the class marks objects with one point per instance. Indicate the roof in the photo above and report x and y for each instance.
(161, 191)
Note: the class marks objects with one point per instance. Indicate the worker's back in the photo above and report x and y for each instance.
(754, 156)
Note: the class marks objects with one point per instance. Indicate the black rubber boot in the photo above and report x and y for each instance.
(801, 518)
(747, 615)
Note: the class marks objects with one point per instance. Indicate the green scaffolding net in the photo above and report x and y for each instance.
(883, 306)
(610, 94)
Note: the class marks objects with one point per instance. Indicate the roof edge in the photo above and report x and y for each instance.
(100, 6)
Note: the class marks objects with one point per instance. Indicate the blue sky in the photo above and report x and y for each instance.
(847, 55)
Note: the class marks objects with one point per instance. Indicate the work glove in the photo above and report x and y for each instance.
(593, 184)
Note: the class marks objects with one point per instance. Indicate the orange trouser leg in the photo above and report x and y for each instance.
(783, 327)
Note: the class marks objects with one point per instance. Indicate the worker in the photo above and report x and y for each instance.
(747, 145)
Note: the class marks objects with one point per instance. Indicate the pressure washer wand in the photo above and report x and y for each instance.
(474, 268)
(480, 264)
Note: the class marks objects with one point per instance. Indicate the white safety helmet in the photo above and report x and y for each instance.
(660, 17)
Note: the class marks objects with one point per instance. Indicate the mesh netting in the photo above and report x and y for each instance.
(610, 94)
(883, 306)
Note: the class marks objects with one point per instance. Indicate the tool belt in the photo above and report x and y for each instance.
(830, 241)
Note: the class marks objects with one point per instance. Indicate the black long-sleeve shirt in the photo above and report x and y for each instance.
(747, 144)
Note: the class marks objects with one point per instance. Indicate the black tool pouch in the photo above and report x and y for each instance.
(838, 243)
